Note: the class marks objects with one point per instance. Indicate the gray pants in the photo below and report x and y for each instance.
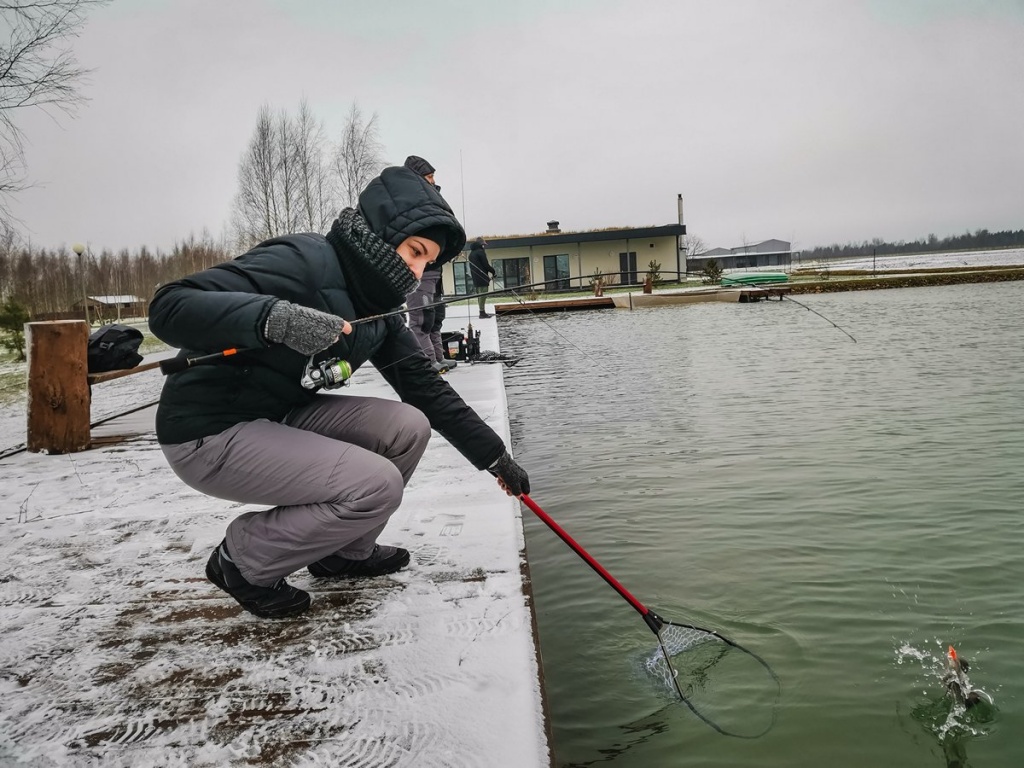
(481, 299)
(334, 471)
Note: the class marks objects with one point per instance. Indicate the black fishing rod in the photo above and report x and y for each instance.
(179, 364)
(455, 300)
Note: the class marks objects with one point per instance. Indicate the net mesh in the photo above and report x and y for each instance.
(728, 687)
(677, 639)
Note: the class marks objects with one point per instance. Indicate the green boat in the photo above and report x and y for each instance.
(755, 278)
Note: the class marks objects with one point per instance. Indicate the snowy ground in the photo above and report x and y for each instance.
(1003, 258)
(115, 651)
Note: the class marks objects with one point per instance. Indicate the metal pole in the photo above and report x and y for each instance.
(79, 249)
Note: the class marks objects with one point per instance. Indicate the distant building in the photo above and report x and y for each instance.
(768, 253)
(570, 259)
(108, 307)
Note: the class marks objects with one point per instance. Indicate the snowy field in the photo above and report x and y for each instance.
(116, 651)
(1003, 258)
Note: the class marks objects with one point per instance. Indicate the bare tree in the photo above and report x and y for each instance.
(285, 181)
(693, 246)
(359, 155)
(37, 69)
(263, 201)
(317, 188)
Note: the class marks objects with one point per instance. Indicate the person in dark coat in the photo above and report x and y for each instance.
(258, 429)
(481, 272)
(425, 320)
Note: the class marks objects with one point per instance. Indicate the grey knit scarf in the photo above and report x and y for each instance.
(378, 280)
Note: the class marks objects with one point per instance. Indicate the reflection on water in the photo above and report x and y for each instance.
(750, 469)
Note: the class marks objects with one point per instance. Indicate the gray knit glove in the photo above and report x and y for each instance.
(303, 329)
(511, 476)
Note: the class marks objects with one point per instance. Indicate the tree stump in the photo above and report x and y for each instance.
(58, 391)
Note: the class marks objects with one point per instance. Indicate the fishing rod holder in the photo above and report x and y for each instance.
(461, 345)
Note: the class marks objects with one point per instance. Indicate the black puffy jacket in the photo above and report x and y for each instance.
(480, 268)
(226, 307)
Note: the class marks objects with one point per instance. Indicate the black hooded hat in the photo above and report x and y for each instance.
(400, 203)
(418, 165)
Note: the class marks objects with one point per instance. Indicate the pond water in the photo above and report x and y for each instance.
(845, 510)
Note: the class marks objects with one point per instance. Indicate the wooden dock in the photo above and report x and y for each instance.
(555, 305)
(638, 299)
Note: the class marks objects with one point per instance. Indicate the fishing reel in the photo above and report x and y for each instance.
(327, 374)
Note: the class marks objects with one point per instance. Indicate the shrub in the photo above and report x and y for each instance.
(712, 273)
(13, 317)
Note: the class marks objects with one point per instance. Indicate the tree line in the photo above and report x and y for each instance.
(290, 179)
(980, 239)
(48, 282)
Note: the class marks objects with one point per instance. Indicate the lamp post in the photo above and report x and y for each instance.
(79, 249)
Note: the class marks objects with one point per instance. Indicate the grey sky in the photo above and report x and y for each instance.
(813, 121)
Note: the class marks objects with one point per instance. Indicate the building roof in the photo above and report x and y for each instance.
(556, 238)
(763, 247)
(122, 299)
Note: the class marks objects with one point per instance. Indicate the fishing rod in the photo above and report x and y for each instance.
(453, 300)
(662, 627)
(179, 364)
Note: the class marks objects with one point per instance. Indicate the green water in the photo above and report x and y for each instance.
(846, 510)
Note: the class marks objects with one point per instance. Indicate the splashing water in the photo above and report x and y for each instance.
(938, 711)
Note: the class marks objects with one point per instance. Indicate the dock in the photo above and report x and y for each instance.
(639, 299)
(115, 650)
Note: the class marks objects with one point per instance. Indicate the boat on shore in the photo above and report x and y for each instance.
(754, 278)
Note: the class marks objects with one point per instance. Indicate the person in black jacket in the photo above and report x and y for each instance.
(258, 429)
(425, 320)
(481, 271)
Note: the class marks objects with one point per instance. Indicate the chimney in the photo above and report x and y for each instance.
(553, 226)
(680, 203)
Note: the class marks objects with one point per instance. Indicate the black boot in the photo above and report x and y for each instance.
(484, 315)
(381, 561)
(277, 602)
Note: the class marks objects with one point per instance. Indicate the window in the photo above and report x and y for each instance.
(511, 273)
(463, 282)
(556, 271)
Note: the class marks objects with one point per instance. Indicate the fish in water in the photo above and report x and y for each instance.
(958, 685)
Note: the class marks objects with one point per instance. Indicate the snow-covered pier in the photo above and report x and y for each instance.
(116, 651)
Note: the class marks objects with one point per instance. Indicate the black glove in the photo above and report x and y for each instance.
(303, 329)
(516, 481)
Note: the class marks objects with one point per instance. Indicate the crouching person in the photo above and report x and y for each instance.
(256, 428)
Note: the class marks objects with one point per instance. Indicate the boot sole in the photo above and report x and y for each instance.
(286, 611)
(320, 572)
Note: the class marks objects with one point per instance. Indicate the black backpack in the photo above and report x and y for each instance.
(114, 347)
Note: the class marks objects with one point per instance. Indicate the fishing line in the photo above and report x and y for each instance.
(764, 286)
(549, 325)
(814, 311)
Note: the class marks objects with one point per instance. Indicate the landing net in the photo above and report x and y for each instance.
(719, 680)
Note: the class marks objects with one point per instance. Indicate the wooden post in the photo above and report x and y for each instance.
(58, 392)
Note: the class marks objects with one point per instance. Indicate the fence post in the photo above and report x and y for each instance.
(58, 392)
